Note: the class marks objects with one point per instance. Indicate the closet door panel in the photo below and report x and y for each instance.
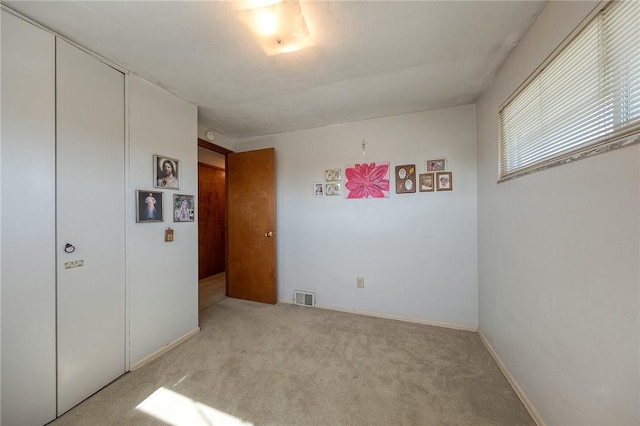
(91, 225)
(28, 224)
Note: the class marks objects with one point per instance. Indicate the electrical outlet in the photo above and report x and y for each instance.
(360, 282)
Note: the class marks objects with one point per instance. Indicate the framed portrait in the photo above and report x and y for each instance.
(333, 175)
(166, 172)
(435, 165)
(318, 190)
(406, 179)
(444, 181)
(425, 182)
(148, 206)
(183, 208)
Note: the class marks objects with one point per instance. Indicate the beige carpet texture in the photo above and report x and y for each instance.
(290, 365)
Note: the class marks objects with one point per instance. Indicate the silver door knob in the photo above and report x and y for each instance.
(269, 234)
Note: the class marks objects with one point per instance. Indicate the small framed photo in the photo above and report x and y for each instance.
(425, 182)
(318, 190)
(333, 175)
(332, 189)
(444, 181)
(166, 172)
(183, 208)
(435, 165)
(148, 206)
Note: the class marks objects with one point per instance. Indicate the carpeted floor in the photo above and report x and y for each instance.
(289, 365)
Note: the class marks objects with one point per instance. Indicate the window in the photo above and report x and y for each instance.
(582, 101)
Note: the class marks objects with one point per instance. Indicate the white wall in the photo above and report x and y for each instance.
(417, 252)
(163, 276)
(558, 261)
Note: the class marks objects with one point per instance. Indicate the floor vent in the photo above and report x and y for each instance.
(304, 298)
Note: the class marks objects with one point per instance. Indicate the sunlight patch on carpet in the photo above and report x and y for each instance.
(178, 410)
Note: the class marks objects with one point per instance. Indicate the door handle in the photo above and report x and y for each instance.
(69, 248)
(269, 234)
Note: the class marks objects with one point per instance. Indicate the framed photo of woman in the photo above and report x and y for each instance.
(183, 210)
(148, 206)
(166, 172)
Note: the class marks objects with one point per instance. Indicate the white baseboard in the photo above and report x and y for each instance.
(163, 349)
(455, 326)
(512, 381)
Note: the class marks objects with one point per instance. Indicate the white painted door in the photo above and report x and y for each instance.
(90, 224)
(27, 267)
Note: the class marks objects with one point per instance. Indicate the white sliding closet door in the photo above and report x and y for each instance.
(91, 220)
(28, 267)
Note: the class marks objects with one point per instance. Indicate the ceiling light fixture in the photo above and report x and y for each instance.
(278, 25)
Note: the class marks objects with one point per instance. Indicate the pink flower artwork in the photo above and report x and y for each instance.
(367, 180)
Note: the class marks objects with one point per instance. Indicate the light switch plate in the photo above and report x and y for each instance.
(73, 264)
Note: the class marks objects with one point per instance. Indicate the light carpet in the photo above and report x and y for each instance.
(290, 365)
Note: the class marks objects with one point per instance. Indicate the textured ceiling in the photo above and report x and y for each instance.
(371, 58)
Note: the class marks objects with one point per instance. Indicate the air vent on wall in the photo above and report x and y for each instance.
(304, 298)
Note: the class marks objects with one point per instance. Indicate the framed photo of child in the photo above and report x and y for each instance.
(425, 181)
(444, 181)
(435, 165)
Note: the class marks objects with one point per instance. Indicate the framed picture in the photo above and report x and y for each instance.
(435, 165)
(148, 206)
(367, 180)
(406, 179)
(166, 172)
(332, 189)
(425, 181)
(444, 181)
(183, 208)
(318, 190)
(333, 175)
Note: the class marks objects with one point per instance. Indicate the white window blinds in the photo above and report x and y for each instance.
(586, 96)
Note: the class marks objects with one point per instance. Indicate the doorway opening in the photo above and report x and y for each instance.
(212, 223)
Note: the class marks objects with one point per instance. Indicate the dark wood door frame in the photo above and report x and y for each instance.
(213, 147)
(224, 151)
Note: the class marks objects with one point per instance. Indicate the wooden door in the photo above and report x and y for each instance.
(212, 209)
(251, 232)
(91, 345)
